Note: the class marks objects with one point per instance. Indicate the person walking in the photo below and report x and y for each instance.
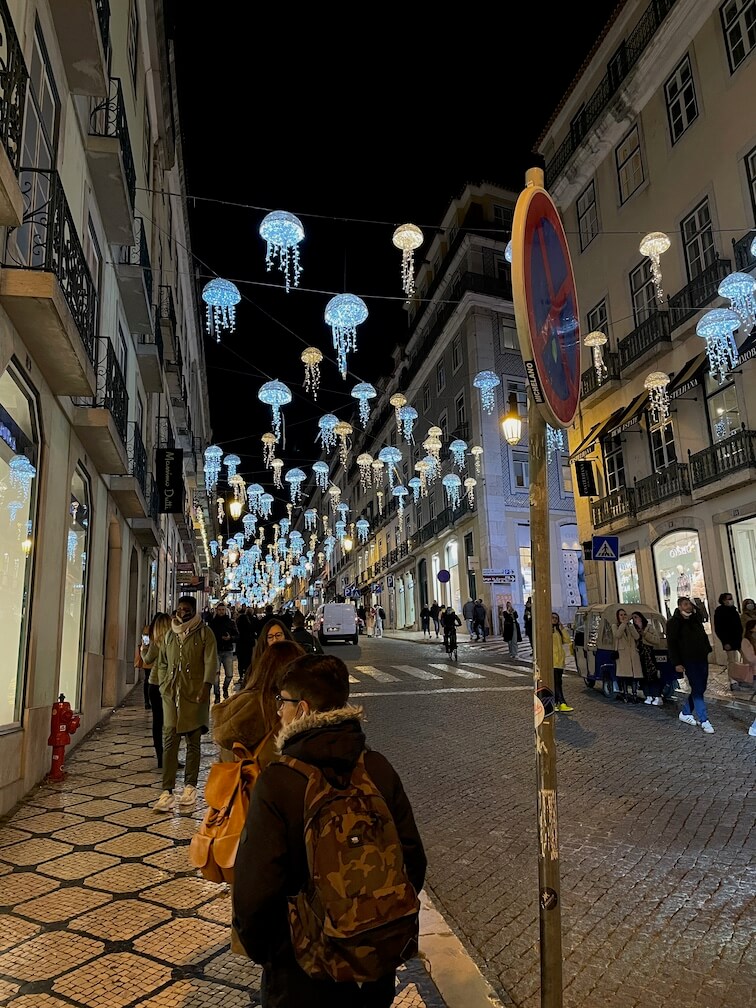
(246, 630)
(139, 666)
(272, 632)
(511, 629)
(319, 728)
(226, 634)
(370, 621)
(156, 631)
(380, 616)
(309, 644)
(628, 668)
(479, 620)
(467, 615)
(688, 648)
(435, 615)
(527, 620)
(187, 666)
(729, 629)
(748, 648)
(425, 620)
(560, 640)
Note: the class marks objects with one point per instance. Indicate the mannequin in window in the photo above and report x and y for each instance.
(683, 581)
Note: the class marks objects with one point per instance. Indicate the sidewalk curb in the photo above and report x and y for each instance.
(459, 981)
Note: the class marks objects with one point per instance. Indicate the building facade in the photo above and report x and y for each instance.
(654, 137)
(435, 547)
(103, 405)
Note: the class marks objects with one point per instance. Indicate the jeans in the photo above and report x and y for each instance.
(469, 622)
(480, 629)
(378, 626)
(226, 659)
(437, 625)
(156, 703)
(698, 679)
(171, 741)
(513, 647)
(425, 622)
(558, 690)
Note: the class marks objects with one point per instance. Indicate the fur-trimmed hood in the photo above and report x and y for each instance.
(318, 719)
(330, 740)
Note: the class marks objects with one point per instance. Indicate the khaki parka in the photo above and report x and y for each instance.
(181, 673)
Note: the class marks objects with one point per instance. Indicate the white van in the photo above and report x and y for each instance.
(336, 621)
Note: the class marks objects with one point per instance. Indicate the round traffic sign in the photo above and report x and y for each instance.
(443, 576)
(546, 306)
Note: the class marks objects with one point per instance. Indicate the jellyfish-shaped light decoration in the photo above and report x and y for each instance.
(231, 462)
(277, 466)
(363, 529)
(379, 496)
(213, 456)
(400, 492)
(328, 543)
(407, 416)
(364, 464)
(213, 544)
(237, 484)
(248, 524)
(416, 485)
(408, 237)
(656, 383)
(391, 456)
(554, 442)
(596, 340)
(397, 400)
(266, 505)
(452, 485)
(717, 328)
(433, 464)
(295, 478)
(296, 542)
(377, 466)
(740, 289)
(343, 432)
(654, 245)
(72, 537)
(276, 395)
(432, 445)
(364, 392)
(320, 470)
(470, 485)
(327, 425)
(311, 519)
(254, 493)
(343, 314)
(340, 529)
(284, 525)
(508, 251)
(423, 468)
(311, 358)
(239, 539)
(477, 453)
(326, 518)
(221, 513)
(269, 448)
(283, 232)
(20, 475)
(334, 493)
(343, 508)
(487, 381)
(221, 298)
(458, 449)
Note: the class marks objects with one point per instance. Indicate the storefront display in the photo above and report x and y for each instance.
(679, 571)
(628, 586)
(742, 537)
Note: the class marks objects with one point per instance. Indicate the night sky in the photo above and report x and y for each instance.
(354, 130)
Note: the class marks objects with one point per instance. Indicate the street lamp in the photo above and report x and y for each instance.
(347, 543)
(235, 508)
(511, 425)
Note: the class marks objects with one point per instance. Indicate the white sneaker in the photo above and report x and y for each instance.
(188, 796)
(688, 719)
(752, 730)
(648, 700)
(708, 727)
(657, 702)
(165, 802)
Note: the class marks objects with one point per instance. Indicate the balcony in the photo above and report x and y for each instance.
(644, 339)
(724, 466)
(147, 530)
(663, 491)
(167, 320)
(741, 251)
(443, 520)
(130, 491)
(82, 28)
(134, 275)
(13, 83)
(149, 355)
(617, 510)
(590, 384)
(697, 294)
(47, 290)
(111, 164)
(100, 422)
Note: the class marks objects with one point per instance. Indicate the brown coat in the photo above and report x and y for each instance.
(626, 644)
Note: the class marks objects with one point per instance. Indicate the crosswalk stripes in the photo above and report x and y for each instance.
(510, 673)
(375, 673)
(417, 673)
(454, 670)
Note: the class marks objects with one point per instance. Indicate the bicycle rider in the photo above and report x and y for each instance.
(450, 621)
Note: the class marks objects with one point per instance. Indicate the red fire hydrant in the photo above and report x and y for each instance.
(63, 725)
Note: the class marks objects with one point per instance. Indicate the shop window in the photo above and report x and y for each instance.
(679, 571)
(742, 536)
(75, 590)
(628, 586)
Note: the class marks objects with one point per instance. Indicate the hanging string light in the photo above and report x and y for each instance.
(508, 251)
(277, 466)
(221, 298)
(377, 467)
(213, 547)
(596, 341)
(266, 505)
(487, 381)
(248, 524)
(343, 432)
(554, 442)
(432, 445)
(311, 358)
(415, 485)
(320, 470)
(470, 485)
(391, 457)
(363, 529)
(364, 392)
(739, 288)
(452, 485)
(231, 462)
(221, 510)
(276, 395)
(398, 400)
(269, 448)
(295, 478)
(20, 475)
(334, 493)
(237, 484)
(422, 468)
(254, 493)
(400, 492)
(283, 232)
(717, 327)
(343, 314)
(213, 456)
(407, 416)
(408, 237)
(477, 452)
(654, 245)
(364, 465)
(458, 449)
(656, 383)
(327, 425)
(311, 519)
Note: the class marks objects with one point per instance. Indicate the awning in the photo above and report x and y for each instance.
(690, 376)
(627, 417)
(588, 442)
(748, 349)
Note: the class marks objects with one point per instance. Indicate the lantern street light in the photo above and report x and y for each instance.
(347, 543)
(511, 425)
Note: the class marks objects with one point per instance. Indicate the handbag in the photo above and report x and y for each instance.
(742, 672)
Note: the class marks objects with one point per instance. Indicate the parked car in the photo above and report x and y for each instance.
(593, 643)
(336, 621)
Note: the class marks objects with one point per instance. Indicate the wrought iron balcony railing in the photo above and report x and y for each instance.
(671, 481)
(137, 457)
(442, 521)
(47, 240)
(111, 387)
(727, 456)
(654, 330)
(697, 294)
(741, 250)
(103, 20)
(166, 308)
(615, 506)
(107, 118)
(13, 83)
(589, 379)
(138, 254)
(154, 338)
(165, 435)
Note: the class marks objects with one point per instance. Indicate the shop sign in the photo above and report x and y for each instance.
(169, 478)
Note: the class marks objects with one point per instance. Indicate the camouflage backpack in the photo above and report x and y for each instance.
(357, 916)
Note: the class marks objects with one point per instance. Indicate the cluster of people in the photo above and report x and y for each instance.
(372, 617)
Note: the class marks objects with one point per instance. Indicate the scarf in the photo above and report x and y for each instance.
(182, 630)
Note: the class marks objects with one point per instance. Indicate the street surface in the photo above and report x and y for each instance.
(656, 826)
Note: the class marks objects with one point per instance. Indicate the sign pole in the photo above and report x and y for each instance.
(549, 900)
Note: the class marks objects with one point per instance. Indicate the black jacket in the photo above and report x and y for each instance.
(221, 625)
(686, 639)
(309, 642)
(728, 626)
(271, 863)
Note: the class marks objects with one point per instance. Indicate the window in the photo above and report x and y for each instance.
(121, 350)
(503, 217)
(566, 479)
(459, 409)
(680, 96)
(453, 232)
(642, 292)
(443, 423)
(698, 240)
(508, 336)
(440, 376)
(133, 42)
(147, 145)
(587, 216)
(520, 470)
(456, 353)
(662, 444)
(629, 165)
(598, 319)
(739, 26)
(750, 167)
(518, 387)
(431, 506)
(723, 410)
(614, 464)
(426, 397)
(92, 254)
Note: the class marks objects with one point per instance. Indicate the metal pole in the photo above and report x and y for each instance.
(545, 743)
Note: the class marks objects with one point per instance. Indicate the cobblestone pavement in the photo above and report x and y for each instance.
(99, 904)
(656, 822)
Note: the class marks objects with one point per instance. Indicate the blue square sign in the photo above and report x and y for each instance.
(606, 548)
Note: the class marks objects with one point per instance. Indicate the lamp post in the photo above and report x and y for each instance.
(511, 425)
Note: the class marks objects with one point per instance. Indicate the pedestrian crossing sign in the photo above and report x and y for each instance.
(606, 548)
